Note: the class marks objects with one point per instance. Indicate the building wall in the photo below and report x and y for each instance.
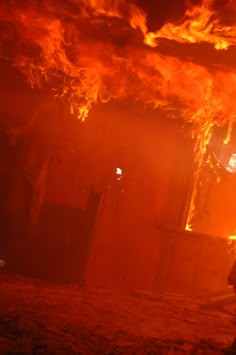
(156, 167)
(215, 205)
(192, 263)
(126, 245)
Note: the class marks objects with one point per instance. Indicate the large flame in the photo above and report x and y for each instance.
(199, 25)
(93, 49)
(98, 50)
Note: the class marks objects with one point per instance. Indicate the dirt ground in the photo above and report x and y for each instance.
(39, 317)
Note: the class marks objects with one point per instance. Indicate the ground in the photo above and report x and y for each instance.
(39, 317)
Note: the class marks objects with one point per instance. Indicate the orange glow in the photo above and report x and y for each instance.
(232, 237)
(100, 50)
(72, 48)
(199, 25)
(229, 130)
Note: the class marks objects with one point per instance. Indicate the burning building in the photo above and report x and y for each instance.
(118, 143)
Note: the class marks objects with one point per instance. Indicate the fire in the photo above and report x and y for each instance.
(100, 50)
(70, 46)
(200, 25)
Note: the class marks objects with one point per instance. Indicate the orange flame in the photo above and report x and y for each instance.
(94, 51)
(199, 25)
(69, 45)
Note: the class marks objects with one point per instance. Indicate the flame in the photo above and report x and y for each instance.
(199, 25)
(229, 130)
(55, 40)
(232, 237)
(100, 50)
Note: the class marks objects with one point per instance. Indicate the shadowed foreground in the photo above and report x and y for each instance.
(38, 317)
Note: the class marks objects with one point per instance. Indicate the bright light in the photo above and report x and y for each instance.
(232, 237)
(232, 164)
(118, 171)
(188, 227)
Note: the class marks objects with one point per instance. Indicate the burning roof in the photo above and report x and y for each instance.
(99, 50)
(92, 51)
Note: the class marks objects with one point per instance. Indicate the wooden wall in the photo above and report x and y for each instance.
(192, 263)
(157, 163)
